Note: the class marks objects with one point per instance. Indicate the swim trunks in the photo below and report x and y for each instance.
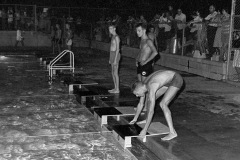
(112, 57)
(177, 81)
(146, 69)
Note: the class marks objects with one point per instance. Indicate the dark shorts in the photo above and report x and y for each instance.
(177, 81)
(146, 69)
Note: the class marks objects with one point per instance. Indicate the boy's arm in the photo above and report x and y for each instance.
(151, 105)
(154, 52)
(117, 39)
(139, 109)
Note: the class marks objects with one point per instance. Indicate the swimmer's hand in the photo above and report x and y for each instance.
(143, 63)
(143, 132)
(133, 121)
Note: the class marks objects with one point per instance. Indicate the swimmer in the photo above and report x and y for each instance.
(114, 57)
(58, 37)
(162, 82)
(69, 36)
(146, 55)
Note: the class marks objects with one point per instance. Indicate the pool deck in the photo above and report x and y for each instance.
(40, 121)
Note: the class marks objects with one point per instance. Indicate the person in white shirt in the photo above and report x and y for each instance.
(19, 37)
(211, 30)
(181, 23)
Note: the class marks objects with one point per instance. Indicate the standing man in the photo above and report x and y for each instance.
(114, 57)
(211, 30)
(58, 37)
(147, 53)
(69, 36)
(181, 22)
(19, 37)
(160, 82)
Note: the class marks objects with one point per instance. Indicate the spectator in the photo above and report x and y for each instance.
(4, 19)
(211, 30)
(181, 21)
(142, 20)
(152, 35)
(218, 40)
(53, 39)
(58, 37)
(10, 18)
(171, 11)
(19, 37)
(17, 18)
(225, 33)
(23, 19)
(69, 36)
(78, 24)
(197, 32)
(0, 19)
(70, 20)
(165, 22)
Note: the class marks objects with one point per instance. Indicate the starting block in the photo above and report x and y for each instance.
(102, 113)
(79, 84)
(45, 60)
(124, 133)
(90, 91)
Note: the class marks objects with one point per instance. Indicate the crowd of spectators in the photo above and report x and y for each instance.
(12, 18)
(208, 35)
(172, 29)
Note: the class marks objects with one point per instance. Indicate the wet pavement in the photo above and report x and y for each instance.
(206, 114)
(41, 121)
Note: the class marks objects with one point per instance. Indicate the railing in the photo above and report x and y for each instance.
(53, 66)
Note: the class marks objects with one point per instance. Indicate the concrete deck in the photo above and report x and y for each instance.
(206, 114)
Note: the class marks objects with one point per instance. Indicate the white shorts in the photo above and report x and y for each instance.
(69, 42)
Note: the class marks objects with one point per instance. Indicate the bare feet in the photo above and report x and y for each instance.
(133, 121)
(142, 122)
(111, 90)
(115, 91)
(169, 136)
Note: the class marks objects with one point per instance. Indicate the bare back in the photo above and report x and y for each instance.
(159, 79)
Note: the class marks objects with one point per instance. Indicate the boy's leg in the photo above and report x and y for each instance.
(112, 72)
(168, 97)
(139, 76)
(159, 93)
(116, 77)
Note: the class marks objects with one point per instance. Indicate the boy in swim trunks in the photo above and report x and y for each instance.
(69, 36)
(162, 82)
(114, 57)
(145, 58)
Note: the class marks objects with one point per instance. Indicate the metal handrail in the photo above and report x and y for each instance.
(56, 59)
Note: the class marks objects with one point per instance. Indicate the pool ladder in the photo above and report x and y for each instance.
(53, 66)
